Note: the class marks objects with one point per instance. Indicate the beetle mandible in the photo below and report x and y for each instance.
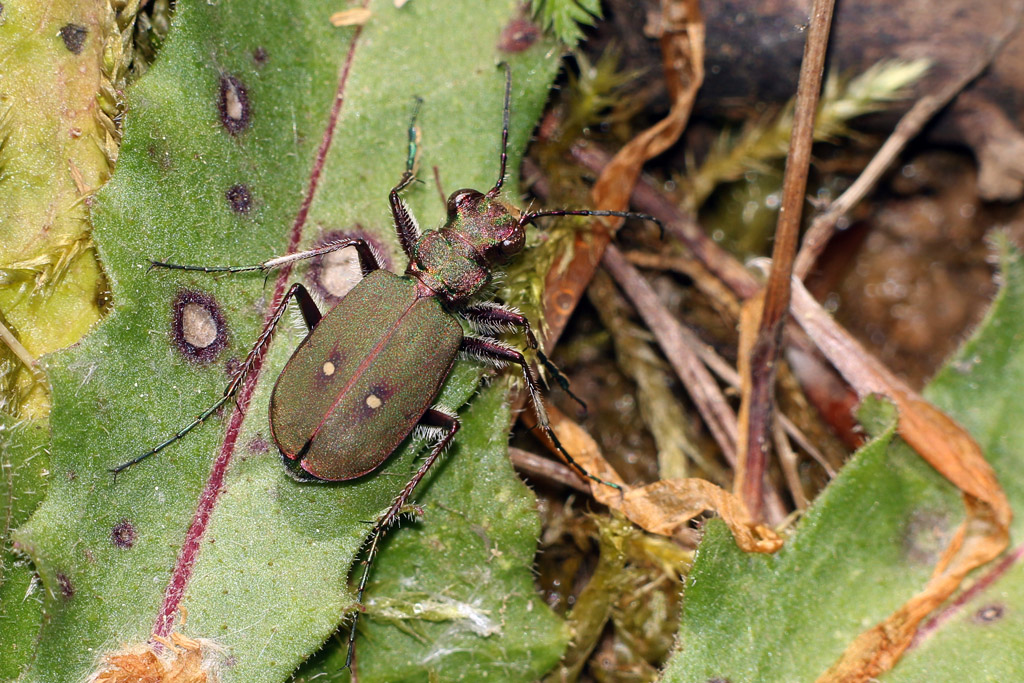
(367, 387)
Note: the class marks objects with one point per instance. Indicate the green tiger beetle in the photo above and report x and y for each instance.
(366, 375)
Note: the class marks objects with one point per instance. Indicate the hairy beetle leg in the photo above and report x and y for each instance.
(405, 223)
(499, 354)
(433, 418)
(493, 318)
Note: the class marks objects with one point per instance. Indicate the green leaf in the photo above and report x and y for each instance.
(870, 542)
(23, 477)
(53, 144)
(209, 175)
(566, 17)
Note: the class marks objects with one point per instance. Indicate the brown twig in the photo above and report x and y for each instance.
(660, 410)
(678, 344)
(788, 462)
(726, 301)
(824, 225)
(722, 264)
(706, 393)
(759, 371)
(678, 225)
(722, 299)
(708, 355)
(545, 468)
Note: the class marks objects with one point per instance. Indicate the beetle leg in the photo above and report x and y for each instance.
(307, 306)
(405, 223)
(499, 354)
(368, 260)
(490, 317)
(310, 313)
(447, 425)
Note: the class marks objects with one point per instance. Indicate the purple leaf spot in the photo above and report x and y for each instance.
(73, 36)
(258, 444)
(518, 35)
(123, 534)
(239, 198)
(989, 613)
(67, 589)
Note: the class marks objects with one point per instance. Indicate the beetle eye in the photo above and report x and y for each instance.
(513, 244)
(460, 198)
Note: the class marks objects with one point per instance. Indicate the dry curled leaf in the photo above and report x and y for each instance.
(682, 49)
(682, 44)
(663, 507)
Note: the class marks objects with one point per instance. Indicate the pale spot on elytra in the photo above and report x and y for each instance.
(328, 368)
(373, 401)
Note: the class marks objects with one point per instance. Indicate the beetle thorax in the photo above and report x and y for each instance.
(480, 232)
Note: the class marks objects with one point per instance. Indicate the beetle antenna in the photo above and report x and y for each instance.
(413, 157)
(440, 186)
(530, 216)
(181, 433)
(504, 130)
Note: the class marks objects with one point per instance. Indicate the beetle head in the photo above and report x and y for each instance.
(490, 226)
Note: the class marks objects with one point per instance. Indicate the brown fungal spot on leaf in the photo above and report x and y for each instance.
(74, 37)
(233, 105)
(260, 56)
(518, 35)
(989, 613)
(239, 198)
(334, 274)
(123, 534)
(67, 589)
(198, 328)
